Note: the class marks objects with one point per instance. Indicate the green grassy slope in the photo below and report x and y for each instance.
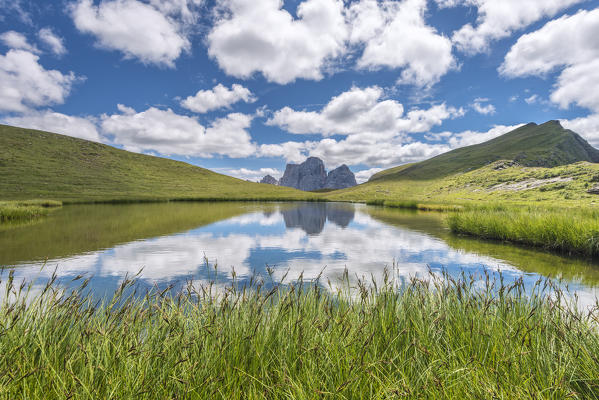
(532, 145)
(553, 165)
(36, 164)
(564, 185)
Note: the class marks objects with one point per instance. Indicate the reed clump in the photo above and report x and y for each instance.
(36, 203)
(12, 213)
(25, 210)
(469, 338)
(567, 231)
(415, 205)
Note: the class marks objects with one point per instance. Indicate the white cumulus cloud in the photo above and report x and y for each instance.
(569, 45)
(361, 151)
(482, 106)
(498, 19)
(563, 42)
(376, 129)
(368, 150)
(578, 85)
(366, 174)
(395, 35)
(168, 133)
(587, 126)
(250, 174)
(294, 152)
(260, 36)
(50, 121)
(362, 112)
(136, 29)
(53, 41)
(186, 10)
(469, 137)
(354, 150)
(218, 97)
(16, 40)
(25, 83)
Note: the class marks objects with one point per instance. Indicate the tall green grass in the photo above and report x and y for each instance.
(13, 213)
(27, 210)
(441, 339)
(36, 203)
(415, 205)
(563, 230)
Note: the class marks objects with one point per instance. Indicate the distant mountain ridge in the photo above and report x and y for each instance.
(311, 175)
(531, 145)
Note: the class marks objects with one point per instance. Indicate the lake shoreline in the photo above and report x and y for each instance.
(487, 221)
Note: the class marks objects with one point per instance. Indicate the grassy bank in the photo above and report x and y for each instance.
(443, 339)
(564, 230)
(27, 210)
(415, 205)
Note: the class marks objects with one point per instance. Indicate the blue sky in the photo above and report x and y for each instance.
(244, 86)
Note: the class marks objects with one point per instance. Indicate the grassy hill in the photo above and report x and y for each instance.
(552, 186)
(532, 145)
(552, 165)
(36, 164)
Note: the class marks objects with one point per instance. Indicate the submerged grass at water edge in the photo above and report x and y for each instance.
(563, 230)
(25, 210)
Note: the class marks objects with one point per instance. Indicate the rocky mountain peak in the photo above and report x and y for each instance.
(340, 178)
(312, 175)
(309, 175)
(270, 180)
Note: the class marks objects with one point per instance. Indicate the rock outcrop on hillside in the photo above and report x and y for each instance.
(269, 180)
(594, 190)
(312, 175)
(340, 178)
(309, 175)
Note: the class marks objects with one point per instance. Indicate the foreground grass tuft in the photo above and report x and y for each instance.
(562, 230)
(26, 210)
(427, 339)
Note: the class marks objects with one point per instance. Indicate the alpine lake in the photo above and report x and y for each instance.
(218, 244)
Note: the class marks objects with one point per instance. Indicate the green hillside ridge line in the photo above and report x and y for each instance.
(531, 145)
(41, 165)
(36, 164)
(545, 164)
(483, 185)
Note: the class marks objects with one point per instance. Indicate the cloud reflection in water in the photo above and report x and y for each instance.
(307, 237)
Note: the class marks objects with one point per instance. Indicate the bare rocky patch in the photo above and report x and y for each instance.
(529, 184)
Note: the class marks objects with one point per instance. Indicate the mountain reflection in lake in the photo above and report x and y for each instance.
(312, 217)
(173, 241)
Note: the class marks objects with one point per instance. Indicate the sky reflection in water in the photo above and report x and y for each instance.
(304, 237)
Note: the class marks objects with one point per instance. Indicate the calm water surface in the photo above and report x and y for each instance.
(179, 242)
